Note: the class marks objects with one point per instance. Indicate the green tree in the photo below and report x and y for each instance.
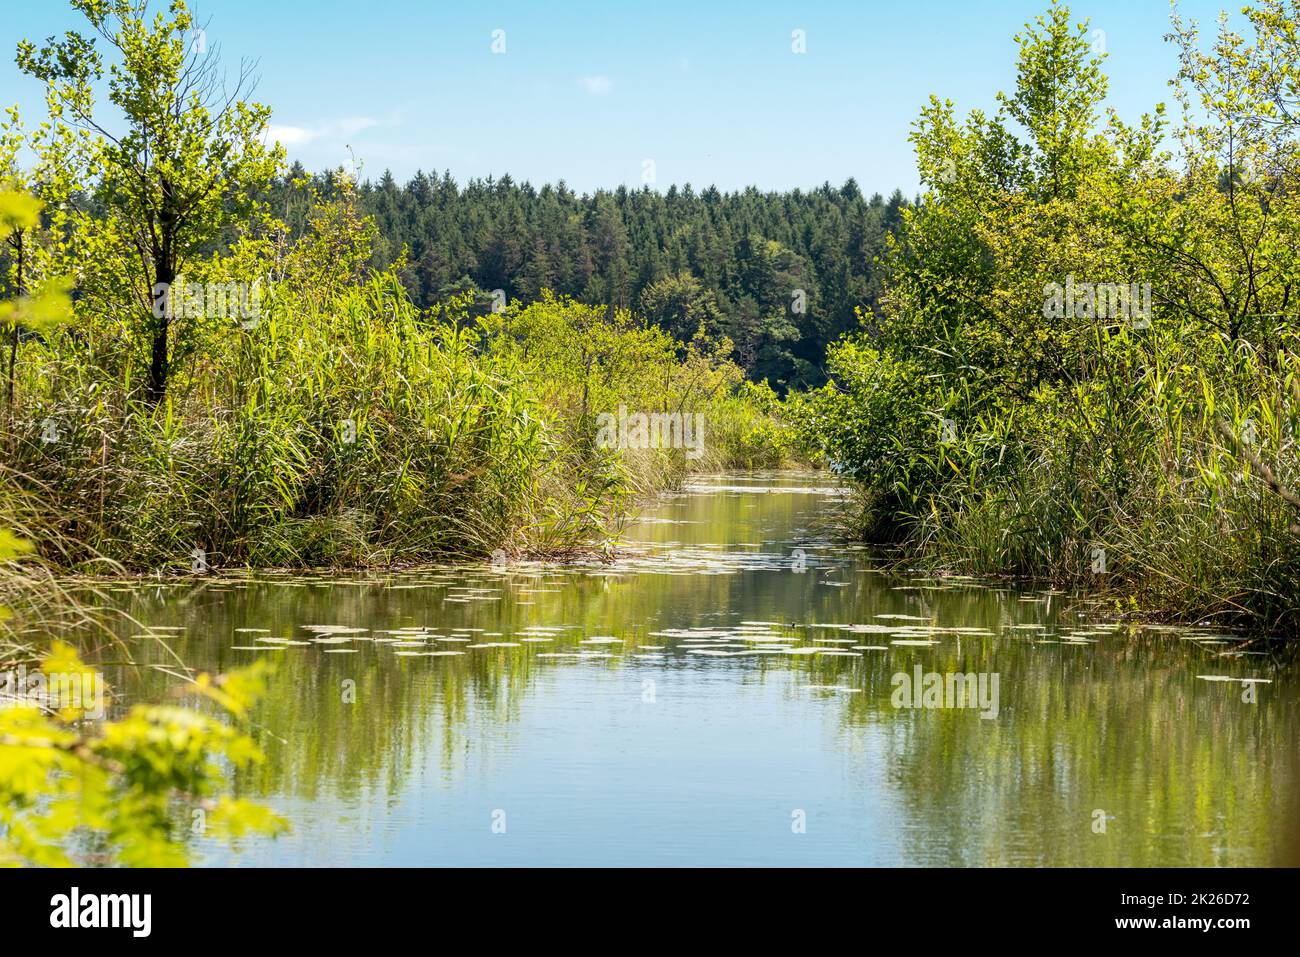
(681, 305)
(182, 161)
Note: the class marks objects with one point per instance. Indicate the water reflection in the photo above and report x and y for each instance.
(727, 678)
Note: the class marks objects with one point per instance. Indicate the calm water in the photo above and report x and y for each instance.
(672, 708)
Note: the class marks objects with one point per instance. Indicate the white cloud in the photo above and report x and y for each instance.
(597, 85)
(288, 135)
(329, 130)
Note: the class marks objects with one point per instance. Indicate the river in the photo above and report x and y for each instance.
(734, 688)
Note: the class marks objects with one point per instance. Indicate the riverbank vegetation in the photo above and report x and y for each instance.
(74, 787)
(1086, 369)
(228, 390)
(1074, 356)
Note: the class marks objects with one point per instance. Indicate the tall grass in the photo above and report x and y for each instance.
(1175, 491)
(352, 431)
(588, 361)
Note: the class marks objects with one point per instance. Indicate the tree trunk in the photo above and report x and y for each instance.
(159, 365)
(17, 241)
(13, 359)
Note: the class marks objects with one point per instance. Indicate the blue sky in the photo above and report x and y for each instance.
(589, 91)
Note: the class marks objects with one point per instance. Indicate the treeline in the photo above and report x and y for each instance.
(780, 275)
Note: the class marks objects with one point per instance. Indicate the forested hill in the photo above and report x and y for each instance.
(734, 262)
